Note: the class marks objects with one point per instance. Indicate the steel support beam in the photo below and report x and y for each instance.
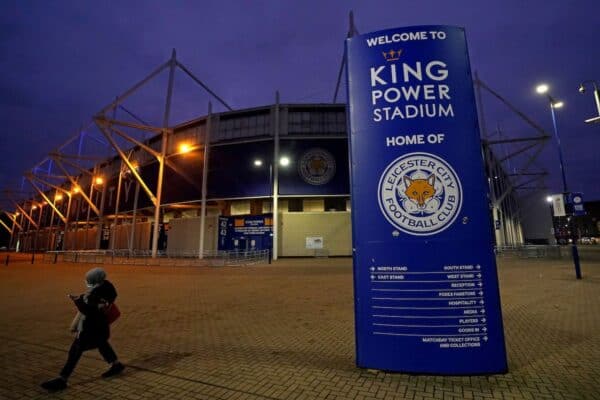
(163, 153)
(512, 108)
(125, 159)
(199, 82)
(57, 157)
(110, 121)
(31, 221)
(134, 141)
(50, 202)
(527, 182)
(13, 218)
(517, 152)
(275, 182)
(204, 181)
(44, 182)
(135, 87)
(74, 183)
(5, 226)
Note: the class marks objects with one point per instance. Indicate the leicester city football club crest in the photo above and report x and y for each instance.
(420, 194)
(316, 166)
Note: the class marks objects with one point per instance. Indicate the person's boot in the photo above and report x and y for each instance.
(114, 369)
(55, 384)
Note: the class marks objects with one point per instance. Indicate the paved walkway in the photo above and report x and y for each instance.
(283, 331)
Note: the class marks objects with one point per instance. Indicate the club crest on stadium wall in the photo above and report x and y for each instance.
(316, 166)
(420, 194)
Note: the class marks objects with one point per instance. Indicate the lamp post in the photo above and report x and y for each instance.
(553, 103)
(595, 119)
(553, 229)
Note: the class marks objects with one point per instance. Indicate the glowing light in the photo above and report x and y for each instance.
(284, 161)
(75, 190)
(543, 88)
(17, 214)
(549, 199)
(58, 197)
(258, 163)
(558, 104)
(99, 180)
(34, 207)
(185, 148)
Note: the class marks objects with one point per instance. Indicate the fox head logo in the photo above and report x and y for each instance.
(420, 190)
(420, 194)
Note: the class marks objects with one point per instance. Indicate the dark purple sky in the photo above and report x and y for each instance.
(61, 62)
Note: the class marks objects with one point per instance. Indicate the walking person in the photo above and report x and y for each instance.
(92, 327)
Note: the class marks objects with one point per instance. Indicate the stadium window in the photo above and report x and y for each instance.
(335, 204)
(295, 205)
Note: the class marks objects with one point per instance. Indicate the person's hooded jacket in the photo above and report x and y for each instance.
(101, 293)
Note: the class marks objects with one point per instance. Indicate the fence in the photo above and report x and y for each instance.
(144, 257)
(529, 251)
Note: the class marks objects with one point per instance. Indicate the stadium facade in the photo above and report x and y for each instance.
(244, 164)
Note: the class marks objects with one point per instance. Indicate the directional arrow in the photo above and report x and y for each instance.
(372, 268)
(480, 284)
(481, 302)
(481, 292)
(372, 276)
(482, 311)
(478, 266)
(485, 338)
(479, 275)
(483, 320)
(484, 329)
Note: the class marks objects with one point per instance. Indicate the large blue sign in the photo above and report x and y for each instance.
(426, 287)
(246, 232)
(575, 204)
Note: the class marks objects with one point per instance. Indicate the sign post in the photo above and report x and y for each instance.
(426, 287)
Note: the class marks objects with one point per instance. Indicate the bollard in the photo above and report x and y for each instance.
(55, 257)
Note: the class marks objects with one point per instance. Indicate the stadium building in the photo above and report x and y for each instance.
(273, 177)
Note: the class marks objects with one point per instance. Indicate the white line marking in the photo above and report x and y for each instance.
(424, 316)
(429, 290)
(428, 308)
(424, 335)
(427, 298)
(433, 272)
(403, 280)
(428, 326)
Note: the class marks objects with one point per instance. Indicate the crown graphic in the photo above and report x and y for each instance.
(391, 55)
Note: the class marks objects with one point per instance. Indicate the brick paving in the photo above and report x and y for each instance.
(282, 331)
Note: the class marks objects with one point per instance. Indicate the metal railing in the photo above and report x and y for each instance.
(144, 257)
(529, 251)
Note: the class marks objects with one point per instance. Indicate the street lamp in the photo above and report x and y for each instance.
(98, 180)
(596, 98)
(284, 161)
(185, 148)
(543, 89)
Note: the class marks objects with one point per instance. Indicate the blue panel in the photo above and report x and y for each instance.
(317, 167)
(426, 286)
(232, 172)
